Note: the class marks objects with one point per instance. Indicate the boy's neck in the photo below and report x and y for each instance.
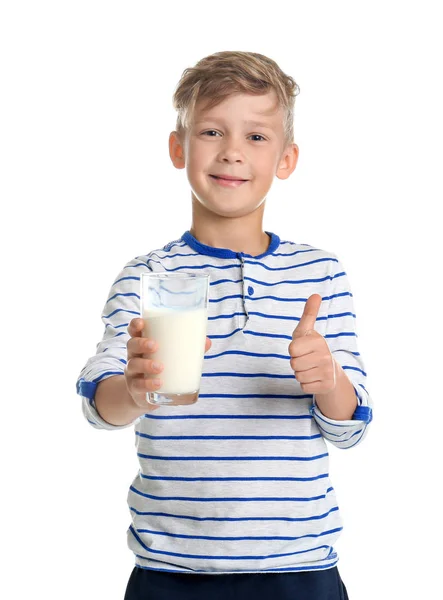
(242, 234)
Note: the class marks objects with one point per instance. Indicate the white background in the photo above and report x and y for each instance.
(87, 184)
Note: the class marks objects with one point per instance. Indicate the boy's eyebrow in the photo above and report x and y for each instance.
(245, 122)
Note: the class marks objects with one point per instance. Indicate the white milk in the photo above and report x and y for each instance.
(181, 338)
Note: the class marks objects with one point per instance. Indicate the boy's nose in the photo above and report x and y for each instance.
(231, 150)
(231, 155)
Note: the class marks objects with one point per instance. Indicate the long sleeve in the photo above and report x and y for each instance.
(122, 305)
(341, 336)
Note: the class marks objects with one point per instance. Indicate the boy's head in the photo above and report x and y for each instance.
(235, 118)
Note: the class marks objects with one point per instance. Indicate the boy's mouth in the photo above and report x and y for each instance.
(230, 177)
(227, 180)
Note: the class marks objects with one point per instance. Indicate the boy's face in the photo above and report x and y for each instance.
(224, 140)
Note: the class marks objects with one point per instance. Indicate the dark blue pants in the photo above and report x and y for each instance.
(145, 584)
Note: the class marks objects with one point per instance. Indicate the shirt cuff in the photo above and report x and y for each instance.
(345, 433)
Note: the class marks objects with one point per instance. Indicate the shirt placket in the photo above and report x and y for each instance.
(245, 316)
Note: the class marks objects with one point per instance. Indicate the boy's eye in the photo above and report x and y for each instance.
(210, 131)
(256, 135)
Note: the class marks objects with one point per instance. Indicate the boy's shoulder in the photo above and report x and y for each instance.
(291, 248)
(160, 252)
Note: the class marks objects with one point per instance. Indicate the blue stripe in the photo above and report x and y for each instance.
(341, 334)
(225, 316)
(329, 433)
(358, 439)
(235, 499)
(282, 282)
(339, 295)
(205, 266)
(116, 336)
(139, 265)
(347, 439)
(230, 519)
(121, 294)
(354, 369)
(267, 316)
(116, 326)
(218, 281)
(213, 337)
(114, 348)
(248, 375)
(243, 353)
(275, 335)
(287, 281)
(225, 298)
(240, 539)
(158, 478)
(173, 255)
(285, 318)
(285, 396)
(312, 262)
(271, 335)
(131, 312)
(124, 279)
(234, 458)
(228, 437)
(288, 337)
(222, 557)
(280, 299)
(347, 350)
(298, 252)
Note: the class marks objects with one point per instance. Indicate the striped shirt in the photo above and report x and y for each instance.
(238, 481)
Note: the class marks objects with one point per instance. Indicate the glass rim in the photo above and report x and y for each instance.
(176, 275)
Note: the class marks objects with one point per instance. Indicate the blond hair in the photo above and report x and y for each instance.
(220, 75)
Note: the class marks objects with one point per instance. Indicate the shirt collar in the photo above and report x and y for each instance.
(225, 252)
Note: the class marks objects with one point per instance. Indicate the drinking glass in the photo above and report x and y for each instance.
(174, 308)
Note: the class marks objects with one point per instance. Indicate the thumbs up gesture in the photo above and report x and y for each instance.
(311, 360)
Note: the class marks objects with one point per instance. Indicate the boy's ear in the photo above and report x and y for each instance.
(288, 161)
(176, 150)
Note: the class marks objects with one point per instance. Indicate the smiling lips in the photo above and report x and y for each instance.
(228, 180)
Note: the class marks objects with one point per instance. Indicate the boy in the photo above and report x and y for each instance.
(236, 485)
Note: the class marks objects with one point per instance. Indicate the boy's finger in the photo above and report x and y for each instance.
(135, 327)
(137, 346)
(208, 344)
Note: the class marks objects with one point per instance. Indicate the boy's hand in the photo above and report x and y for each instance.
(311, 359)
(138, 365)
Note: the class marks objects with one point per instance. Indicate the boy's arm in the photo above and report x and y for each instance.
(341, 336)
(108, 365)
(115, 404)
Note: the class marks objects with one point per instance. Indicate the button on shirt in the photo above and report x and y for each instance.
(238, 481)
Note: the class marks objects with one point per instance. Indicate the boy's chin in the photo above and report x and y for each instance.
(226, 207)
(233, 212)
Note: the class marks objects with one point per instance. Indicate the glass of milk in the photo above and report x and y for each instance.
(174, 308)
